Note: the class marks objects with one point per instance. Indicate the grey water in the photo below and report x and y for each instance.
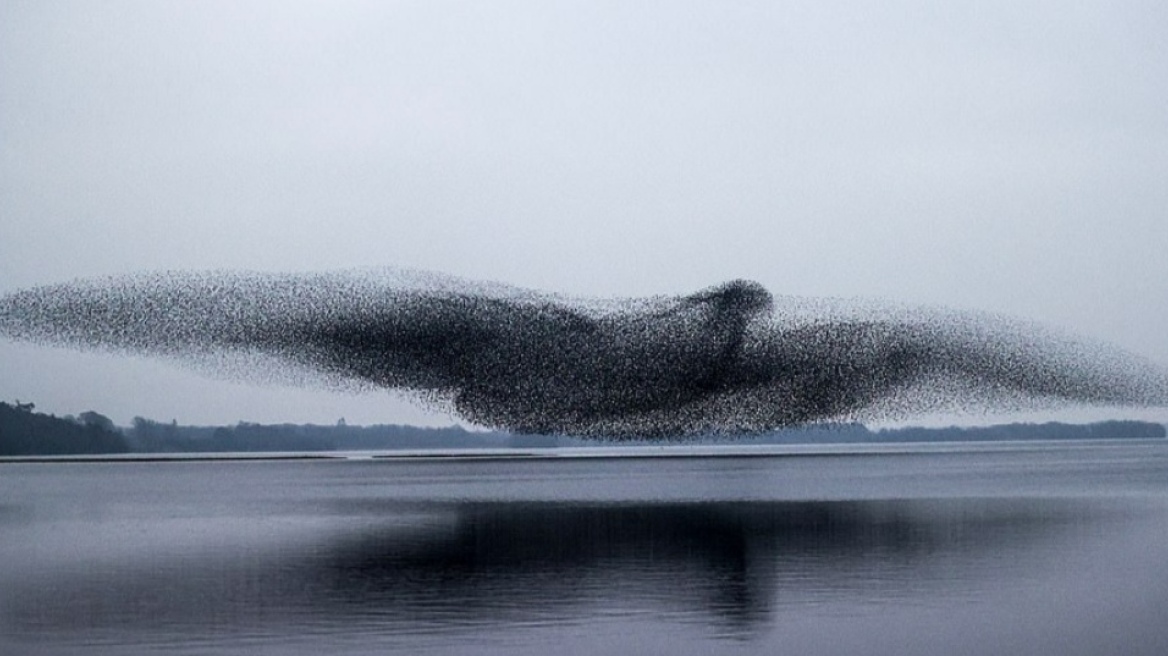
(962, 549)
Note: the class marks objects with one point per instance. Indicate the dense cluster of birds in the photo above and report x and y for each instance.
(728, 359)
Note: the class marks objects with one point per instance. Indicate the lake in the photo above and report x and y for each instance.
(1020, 548)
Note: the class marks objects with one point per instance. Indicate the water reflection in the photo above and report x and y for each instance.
(731, 561)
(395, 569)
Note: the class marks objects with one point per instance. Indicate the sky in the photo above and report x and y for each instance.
(1008, 157)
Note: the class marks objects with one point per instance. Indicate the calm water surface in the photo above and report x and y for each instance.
(984, 549)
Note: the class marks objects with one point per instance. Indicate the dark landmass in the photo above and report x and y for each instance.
(148, 436)
(849, 433)
(24, 432)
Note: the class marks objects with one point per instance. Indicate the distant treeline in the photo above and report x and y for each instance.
(1102, 430)
(23, 431)
(149, 436)
(1049, 431)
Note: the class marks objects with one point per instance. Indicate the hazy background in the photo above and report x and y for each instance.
(1007, 156)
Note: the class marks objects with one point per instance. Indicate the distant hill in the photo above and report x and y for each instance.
(24, 432)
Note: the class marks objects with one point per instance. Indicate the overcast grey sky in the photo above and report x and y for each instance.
(1001, 156)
